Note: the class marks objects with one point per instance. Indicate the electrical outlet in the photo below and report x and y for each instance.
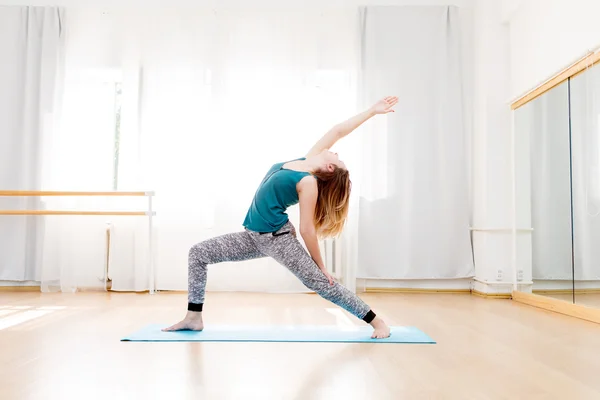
(520, 275)
(499, 276)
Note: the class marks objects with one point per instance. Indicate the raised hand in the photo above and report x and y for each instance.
(385, 105)
(342, 129)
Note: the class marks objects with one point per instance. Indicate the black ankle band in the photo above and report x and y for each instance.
(195, 307)
(369, 317)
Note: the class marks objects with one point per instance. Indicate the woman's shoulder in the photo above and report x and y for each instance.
(307, 182)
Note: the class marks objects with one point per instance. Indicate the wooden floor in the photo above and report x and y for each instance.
(66, 346)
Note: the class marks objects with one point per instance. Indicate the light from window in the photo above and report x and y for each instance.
(117, 138)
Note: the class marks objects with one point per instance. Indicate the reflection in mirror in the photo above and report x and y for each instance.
(585, 112)
(543, 178)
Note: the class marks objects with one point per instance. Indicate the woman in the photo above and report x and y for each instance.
(320, 183)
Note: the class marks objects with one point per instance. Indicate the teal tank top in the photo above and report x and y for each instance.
(276, 193)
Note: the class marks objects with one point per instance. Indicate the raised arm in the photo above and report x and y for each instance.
(342, 129)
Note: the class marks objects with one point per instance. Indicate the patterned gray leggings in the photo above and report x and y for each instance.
(281, 246)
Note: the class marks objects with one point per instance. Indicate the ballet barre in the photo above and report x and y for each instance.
(42, 193)
(57, 212)
(150, 213)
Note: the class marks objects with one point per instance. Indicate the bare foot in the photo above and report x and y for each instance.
(381, 331)
(191, 322)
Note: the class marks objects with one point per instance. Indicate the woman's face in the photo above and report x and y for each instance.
(332, 159)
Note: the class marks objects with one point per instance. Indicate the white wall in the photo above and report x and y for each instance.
(517, 45)
(546, 36)
(492, 180)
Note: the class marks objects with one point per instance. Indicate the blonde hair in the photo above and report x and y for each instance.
(331, 210)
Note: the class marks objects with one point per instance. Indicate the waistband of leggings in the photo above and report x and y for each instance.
(287, 226)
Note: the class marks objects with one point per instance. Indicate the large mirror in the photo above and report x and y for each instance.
(543, 177)
(585, 151)
(557, 156)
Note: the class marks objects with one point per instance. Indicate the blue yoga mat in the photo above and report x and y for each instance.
(278, 333)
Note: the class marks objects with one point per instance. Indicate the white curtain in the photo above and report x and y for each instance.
(206, 101)
(413, 220)
(585, 134)
(31, 40)
(197, 104)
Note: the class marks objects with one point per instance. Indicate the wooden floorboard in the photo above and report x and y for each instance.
(63, 346)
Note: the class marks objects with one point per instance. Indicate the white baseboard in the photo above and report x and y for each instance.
(19, 283)
(491, 287)
(543, 284)
(424, 284)
(434, 284)
(495, 288)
